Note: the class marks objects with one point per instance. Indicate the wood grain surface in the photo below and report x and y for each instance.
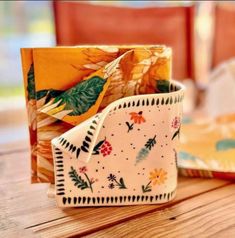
(202, 208)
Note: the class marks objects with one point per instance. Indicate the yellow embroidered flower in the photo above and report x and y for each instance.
(158, 176)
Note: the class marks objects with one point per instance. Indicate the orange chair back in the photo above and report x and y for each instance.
(224, 35)
(80, 23)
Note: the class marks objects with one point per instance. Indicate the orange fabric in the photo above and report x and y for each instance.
(79, 23)
(224, 37)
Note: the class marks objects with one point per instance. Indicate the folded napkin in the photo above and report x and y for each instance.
(207, 147)
(67, 85)
(208, 142)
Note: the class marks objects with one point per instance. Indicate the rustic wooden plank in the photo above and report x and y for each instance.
(211, 214)
(87, 220)
(16, 232)
(24, 206)
(14, 167)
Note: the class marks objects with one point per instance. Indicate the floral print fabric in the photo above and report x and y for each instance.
(135, 166)
(208, 147)
(78, 83)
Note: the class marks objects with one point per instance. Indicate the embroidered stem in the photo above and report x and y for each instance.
(89, 182)
(177, 133)
(148, 183)
(130, 126)
(120, 184)
(147, 188)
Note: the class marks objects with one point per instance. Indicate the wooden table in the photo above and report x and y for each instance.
(202, 208)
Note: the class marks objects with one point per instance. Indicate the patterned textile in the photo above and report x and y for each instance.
(66, 85)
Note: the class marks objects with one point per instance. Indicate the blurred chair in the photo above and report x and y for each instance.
(81, 23)
(224, 35)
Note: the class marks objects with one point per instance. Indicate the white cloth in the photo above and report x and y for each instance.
(220, 97)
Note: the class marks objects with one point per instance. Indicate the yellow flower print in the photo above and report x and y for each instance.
(158, 176)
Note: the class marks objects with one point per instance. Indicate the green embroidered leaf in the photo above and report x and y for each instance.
(96, 148)
(79, 182)
(83, 186)
(163, 86)
(31, 83)
(51, 93)
(225, 144)
(143, 188)
(82, 96)
(40, 94)
(146, 188)
(122, 184)
(150, 143)
(144, 152)
(175, 134)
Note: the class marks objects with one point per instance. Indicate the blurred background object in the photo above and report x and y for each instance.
(224, 35)
(221, 102)
(172, 26)
(22, 24)
(201, 33)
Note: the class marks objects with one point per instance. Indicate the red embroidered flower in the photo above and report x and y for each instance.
(176, 122)
(83, 170)
(137, 117)
(106, 148)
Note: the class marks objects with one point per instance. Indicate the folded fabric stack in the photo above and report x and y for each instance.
(67, 85)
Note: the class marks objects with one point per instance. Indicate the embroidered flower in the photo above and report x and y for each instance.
(81, 181)
(137, 117)
(83, 170)
(119, 183)
(106, 148)
(111, 177)
(176, 122)
(158, 176)
(111, 186)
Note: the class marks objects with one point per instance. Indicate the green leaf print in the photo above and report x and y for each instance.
(225, 144)
(163, 86)
(31, 83)
(121, 184)
(78, 181)
(177, 133)
(113, 179)
(144, 152)
(97, 147)
(82, 96)
(49, 94)
(146, 188)
(150, 143)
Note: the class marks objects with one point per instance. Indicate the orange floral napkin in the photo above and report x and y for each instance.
(66, 85)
